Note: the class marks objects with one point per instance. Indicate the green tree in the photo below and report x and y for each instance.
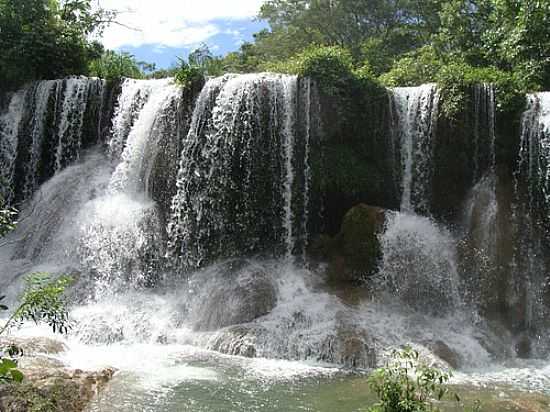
(43, 39)
(115, 65)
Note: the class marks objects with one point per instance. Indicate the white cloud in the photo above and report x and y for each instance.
(172, 23)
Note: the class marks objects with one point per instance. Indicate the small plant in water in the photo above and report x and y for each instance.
(407, 384)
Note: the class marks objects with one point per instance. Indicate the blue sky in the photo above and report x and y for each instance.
(164, 29)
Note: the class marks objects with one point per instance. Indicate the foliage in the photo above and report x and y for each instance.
(414, 68)
(113, 65)
(187, 74)
(454, 81)
(407, 384)
(42, 301)
(330, 66)
(48, 38)
(7, 220)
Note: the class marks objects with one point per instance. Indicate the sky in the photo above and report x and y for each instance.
(164, 29)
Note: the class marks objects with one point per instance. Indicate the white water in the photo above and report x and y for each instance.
(417, 111)
(95, 219)
(9, 133)
(69, 133)
(420, 263)
(42, 97)
(130, 175)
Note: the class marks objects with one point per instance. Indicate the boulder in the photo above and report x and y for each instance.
(354, 253)
(239, 297)
(444, 352)
(35, 345)
(48, 384)
(350, 348)
(238, 340)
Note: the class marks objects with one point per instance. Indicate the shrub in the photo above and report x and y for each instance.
(187, 74)
(407, 384)
(42, 301)
(415, 68)
(455, 79)
(113, 65)
(331, 67)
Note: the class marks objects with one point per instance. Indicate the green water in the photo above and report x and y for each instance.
(209, 383)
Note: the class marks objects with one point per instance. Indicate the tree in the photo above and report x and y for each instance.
(114, 65)
(43, 39)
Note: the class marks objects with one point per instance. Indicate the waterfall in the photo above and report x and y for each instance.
(530, 291)
(9, 133)
(483, 129)
(416, 110)
(133, 96)
(222, 184)
(419, 263)
(44, 129)
(71, 118)
(38, 126)
(237, 182)
(131, 175)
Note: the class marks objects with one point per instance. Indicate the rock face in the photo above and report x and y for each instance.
(49, 386)
(354, 253)
(245, 294)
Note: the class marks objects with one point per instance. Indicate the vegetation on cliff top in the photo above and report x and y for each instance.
(454, 43)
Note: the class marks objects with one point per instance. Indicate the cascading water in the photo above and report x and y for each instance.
(416, 110)
(237, 181)
(530, 292)
(9, 131)
(244, 189)
(44, 130)
(419, 258)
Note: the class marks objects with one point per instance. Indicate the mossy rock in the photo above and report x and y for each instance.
(355, 252)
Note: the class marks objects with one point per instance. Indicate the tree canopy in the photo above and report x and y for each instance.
(43, 39)
(396, 41)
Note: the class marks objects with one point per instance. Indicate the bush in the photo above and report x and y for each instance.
(187, 74)
(407, 384)
(456, 78)
(42, 301)
(331, 67)
(415, 68)
(112, 65)
(454, 81)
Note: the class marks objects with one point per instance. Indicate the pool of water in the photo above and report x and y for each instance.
(174, 378)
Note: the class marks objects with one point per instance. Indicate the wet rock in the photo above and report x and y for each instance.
(523, 346)
(240, 298)
(48, 384)
(239, 340)
(350, 345)
(354, 254)
(445, 353)
(352, 349)
(35, 345)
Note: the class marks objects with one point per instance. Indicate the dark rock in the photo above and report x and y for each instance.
(354, 253)
(523, 346)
